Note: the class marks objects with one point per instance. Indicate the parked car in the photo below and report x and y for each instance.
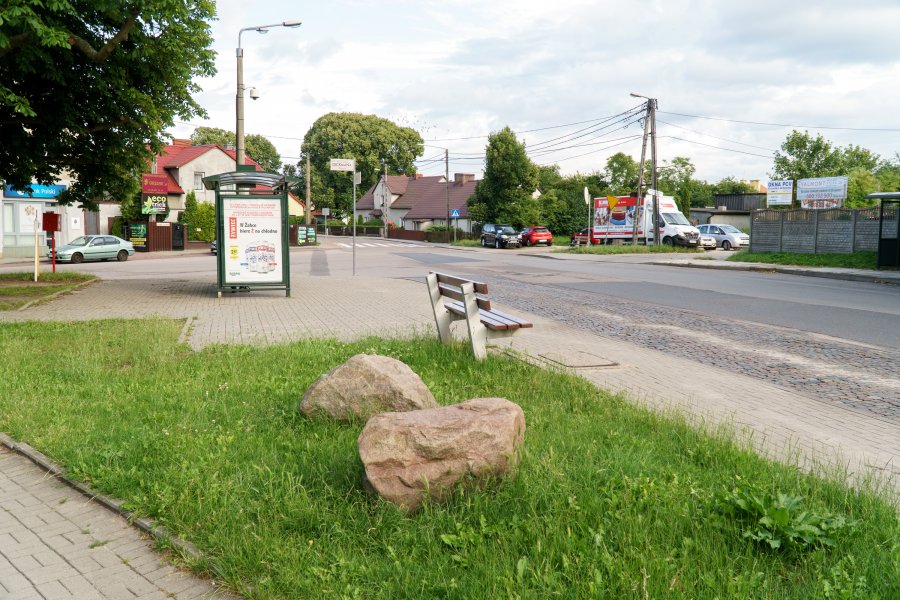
(213, 247)
(532, 236)
(94, 247)
(500, 236)
(707, 242)
(726, 236)
(585, 235)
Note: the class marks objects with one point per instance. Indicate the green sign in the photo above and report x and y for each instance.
(310, 234)
(153, 204)
(306, 235)
(137, 235)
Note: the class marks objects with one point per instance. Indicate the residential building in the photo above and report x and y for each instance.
(418, 202)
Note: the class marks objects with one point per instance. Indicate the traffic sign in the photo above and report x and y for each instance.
(454, 213)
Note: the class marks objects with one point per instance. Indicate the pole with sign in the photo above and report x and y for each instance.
(587, 200)
(349, 164)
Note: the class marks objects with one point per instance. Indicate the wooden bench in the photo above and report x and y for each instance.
(455, 299)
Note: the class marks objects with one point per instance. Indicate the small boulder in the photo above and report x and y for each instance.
(365, 385)
(410, 455)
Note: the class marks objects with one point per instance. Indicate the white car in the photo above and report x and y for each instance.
(708, 242)
(726, 236)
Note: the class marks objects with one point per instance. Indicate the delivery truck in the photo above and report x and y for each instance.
(614, 218)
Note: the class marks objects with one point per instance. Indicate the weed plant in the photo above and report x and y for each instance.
(610, 500)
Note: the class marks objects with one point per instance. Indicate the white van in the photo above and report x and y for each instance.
(614, 220)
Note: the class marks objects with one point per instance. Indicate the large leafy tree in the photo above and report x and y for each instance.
(88, 87)
(622, 174)
(802, 156)
(510, 179)
(258, 147)
(367, 138)
(676, 178)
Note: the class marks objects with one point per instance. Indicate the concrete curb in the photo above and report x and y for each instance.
(764, 268)
(157, 532)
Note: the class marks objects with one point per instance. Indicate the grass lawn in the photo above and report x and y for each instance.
(856, 260)
(19, 289)
(611, 500)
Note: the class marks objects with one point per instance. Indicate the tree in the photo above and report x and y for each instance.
(88, 87)
(366, 138)
(730, 185)
(676, 178)
(802, 156)
(258, 147)
(510, 178)
(622, 174)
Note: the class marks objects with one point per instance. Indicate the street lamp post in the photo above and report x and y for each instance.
(651, 120)
(239, 100)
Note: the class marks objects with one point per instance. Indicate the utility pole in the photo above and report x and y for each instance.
(308, 195)
(447, 179)
(652, 104)
(638, 206)
(385, 199)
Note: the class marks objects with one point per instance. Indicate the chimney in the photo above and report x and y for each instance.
(418, 176)
(463, 178)
(181, 143)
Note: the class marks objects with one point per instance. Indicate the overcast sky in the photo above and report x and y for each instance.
(457, 70)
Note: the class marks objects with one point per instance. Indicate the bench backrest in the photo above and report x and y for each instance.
(450, 286)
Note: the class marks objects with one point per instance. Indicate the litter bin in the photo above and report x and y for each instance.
(177, 236)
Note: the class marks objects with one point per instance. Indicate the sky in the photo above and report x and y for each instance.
(732, 78)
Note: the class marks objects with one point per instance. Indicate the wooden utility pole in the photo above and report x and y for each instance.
(447, 177)
(308, 176)
(652, 108)
(637, 215)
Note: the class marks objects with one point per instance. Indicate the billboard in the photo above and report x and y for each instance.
(822, 192)
(252, 250)
(780, 192)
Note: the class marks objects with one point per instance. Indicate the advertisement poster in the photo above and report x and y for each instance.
(28, 215)
(137, 235)
(153, 204)
(780, 193)
(614, 215)
(822, 192)
(252, 246)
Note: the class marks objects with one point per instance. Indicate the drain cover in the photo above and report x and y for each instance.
(578, 360)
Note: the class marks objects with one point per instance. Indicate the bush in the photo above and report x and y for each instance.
(203, 223)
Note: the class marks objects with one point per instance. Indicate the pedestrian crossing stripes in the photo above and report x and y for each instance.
(379, 245)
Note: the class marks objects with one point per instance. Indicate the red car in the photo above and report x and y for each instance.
(582, 237)
(532, 236)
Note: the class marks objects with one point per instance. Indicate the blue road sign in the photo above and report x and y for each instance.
(454, 213)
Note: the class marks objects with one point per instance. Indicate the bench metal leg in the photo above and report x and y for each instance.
(442, 316)
(477, 331)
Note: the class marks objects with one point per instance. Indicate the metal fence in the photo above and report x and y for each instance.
(836, 230)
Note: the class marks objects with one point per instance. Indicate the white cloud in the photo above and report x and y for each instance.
(465, 68)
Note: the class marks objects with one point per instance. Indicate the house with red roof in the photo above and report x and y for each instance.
(185, 166)
(416, 203)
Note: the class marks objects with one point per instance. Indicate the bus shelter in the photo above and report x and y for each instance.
(251, 230)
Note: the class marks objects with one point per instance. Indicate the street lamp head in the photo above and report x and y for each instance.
(262, 29)
(291, 23)
(636, 95)
(254, 94)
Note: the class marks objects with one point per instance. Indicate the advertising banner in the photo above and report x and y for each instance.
(614, 215)
(37, 191)
(28, 214)
(137, 235)
(152, 204)
(780, 192)
(157, 185)
(252, 248)
(822, 192)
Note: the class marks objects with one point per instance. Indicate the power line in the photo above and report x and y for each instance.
(479, 137)
(593, 151)
(714, 136)
(780, 124)
(672, 137)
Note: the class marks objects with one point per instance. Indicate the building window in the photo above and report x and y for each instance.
(198, 180)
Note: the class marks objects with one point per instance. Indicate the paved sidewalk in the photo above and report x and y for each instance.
(50, 536)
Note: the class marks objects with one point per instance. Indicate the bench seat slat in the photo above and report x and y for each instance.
(452, 280)
(455, 293)
(492, 319)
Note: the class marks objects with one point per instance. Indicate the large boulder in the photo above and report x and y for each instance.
(408, 456)
(365, 385)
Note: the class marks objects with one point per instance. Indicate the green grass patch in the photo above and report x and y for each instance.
(856, 260)
(610, 501)
(19, 289)
(628, 249)
(466, 243)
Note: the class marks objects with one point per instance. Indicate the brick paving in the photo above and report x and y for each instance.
(54, 545)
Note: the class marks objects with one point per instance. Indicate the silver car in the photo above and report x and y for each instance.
(94, 247)
(726, 236)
